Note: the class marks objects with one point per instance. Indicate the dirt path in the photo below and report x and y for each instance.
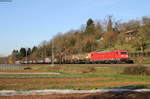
(50, 92)
(124, 95)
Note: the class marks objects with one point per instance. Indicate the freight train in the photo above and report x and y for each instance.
(101, 57)
(98, 57)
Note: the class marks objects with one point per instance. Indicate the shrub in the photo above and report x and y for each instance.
(89, 70)
(56, 68)
(92, 69)
(27, 68)
(136, 70)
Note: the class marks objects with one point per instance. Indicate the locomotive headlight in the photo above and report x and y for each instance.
(124, 55)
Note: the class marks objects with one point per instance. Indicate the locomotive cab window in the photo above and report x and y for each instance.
(124, 53)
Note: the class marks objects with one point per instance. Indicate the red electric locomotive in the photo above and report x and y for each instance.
(116, 56)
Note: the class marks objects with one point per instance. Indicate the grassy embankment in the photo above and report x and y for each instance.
(72, 77)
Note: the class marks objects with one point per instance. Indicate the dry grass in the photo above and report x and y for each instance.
(64, 83)
(137, 70)
(73, 77)
(43, 83)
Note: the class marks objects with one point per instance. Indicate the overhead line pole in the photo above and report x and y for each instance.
(52, 64)
(26, 56)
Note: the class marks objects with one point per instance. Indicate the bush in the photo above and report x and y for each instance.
(56, 68)
(27, 68)
(136, 70)
(92, 69)
(89, 70)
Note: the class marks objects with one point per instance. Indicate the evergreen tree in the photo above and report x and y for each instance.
(29, 51)
(34, 49)
(22, 53)
(90, 28)
(110, 24)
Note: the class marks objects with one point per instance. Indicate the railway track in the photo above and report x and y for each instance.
(104, 65)
(89, 65)
(97, 65)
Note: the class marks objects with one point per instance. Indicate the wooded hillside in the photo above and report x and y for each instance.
(133, 35)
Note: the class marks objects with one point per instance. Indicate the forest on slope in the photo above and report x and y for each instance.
(93, 36)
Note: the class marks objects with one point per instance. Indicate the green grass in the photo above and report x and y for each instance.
(75, 73)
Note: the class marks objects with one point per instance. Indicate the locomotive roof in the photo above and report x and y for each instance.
(109, 51)
(103, 51)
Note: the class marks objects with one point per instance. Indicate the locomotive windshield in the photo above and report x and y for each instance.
(124, 52)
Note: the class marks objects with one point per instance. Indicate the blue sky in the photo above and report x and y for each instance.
(25, 23)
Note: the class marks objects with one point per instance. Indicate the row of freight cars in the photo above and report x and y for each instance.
(98, 57)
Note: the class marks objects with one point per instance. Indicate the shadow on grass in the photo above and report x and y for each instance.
(133, 87)
(130, 88)
(120, 93)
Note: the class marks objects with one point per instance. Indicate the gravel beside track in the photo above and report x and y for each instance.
(106, 65)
